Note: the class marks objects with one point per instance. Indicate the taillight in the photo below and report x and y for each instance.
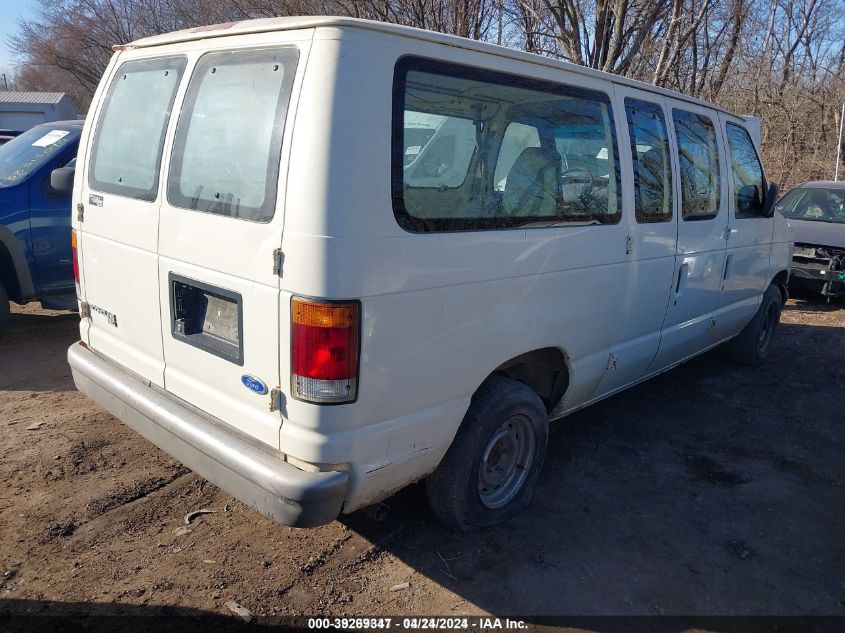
(75, 260)
(324, 350)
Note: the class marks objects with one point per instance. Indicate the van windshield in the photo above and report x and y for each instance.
(24, 154)
(814, 205)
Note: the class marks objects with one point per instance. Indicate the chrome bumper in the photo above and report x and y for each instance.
(256, 475)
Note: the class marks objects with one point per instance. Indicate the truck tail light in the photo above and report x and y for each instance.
(325, 339)
(75, 255)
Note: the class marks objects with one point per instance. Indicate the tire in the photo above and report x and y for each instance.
(480, 483)
(753, 345)
(4, 309)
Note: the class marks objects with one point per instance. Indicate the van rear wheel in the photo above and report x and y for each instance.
(4, 309)
(753, 345)
(490, 470)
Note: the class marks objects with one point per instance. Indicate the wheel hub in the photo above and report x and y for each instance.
(505, 462)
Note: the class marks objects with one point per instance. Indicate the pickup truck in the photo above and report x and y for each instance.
(35, 250)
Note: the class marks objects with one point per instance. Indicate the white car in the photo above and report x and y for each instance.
(311, 310)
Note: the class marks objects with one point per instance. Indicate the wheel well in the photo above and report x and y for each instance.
(781, 280)
(544, 370)
(8, 278)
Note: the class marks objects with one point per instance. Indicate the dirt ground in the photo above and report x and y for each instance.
(713, 489)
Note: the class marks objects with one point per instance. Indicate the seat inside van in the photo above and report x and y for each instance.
(533, 183)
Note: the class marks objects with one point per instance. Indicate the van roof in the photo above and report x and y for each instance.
(265, 25)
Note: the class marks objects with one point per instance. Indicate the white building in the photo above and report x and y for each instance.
(21, 110)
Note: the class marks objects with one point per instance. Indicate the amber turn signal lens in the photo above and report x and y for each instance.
(324, 350)
(323, 314)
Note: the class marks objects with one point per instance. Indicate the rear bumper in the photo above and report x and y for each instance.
(243, 467)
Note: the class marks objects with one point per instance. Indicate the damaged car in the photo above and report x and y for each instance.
(816, 212)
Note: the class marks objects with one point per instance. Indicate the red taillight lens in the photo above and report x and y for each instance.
(75, 260)
(324, 350)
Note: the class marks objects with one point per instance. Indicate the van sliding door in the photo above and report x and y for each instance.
(695, 294)
(648, 186)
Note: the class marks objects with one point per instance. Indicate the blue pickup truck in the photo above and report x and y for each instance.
(36, 263)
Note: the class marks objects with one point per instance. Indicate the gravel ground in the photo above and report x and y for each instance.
(713, 489)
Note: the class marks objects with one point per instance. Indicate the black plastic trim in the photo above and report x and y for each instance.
(202, 340)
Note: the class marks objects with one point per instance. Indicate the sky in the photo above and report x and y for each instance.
(10, 11)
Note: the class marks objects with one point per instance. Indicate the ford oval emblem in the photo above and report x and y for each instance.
(254, 384)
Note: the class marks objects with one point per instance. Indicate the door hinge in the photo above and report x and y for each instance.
(712, 324)
(611, 361)
(80, 212)
(84, 310)
(277, 399)
(278, 261)
(629, 245)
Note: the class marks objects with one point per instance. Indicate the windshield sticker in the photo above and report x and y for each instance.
(50, 137)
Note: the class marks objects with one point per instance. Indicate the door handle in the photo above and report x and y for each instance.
(680, 282)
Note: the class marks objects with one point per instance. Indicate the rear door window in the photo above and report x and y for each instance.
(126, 154)
(228, 143)
(698, 154)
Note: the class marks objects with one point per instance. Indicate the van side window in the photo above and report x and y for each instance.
(652, 165)
(476, 149)
(228, 142)
(126, 152)
(698, 154)
(749, 182)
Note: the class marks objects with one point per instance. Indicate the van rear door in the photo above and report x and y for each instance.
(221, 226)
(120, 199)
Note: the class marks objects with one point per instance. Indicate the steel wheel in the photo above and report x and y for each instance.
(505, 462)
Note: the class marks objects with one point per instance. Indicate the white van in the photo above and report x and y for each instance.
(322, 258)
